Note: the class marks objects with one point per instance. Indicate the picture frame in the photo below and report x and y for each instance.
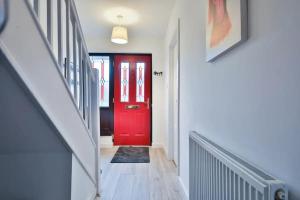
(226, 26)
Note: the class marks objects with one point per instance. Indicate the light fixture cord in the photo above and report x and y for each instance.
(120, 17)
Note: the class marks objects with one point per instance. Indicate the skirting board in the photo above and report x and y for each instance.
(110, 145)
(106, 146)
(106, 142)
(156, 145)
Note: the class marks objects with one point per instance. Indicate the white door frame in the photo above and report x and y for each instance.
(174, 41)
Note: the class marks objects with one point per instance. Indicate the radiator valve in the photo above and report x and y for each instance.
(280, 195)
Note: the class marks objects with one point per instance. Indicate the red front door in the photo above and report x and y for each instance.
(132, 100)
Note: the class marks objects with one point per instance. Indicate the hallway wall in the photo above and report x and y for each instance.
(247, 100)
(141, 45)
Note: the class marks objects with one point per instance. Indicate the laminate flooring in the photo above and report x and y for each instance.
(156, 180)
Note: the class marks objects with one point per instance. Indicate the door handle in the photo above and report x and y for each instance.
(132, 107)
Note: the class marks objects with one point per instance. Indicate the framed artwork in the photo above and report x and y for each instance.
(226, 26)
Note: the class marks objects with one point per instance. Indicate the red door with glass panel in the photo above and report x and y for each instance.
(132, 99)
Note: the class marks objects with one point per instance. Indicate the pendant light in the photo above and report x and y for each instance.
(119, 33)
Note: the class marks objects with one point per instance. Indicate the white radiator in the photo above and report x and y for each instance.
(216, 174)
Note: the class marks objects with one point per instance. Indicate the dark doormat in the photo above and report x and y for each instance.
(131, 155)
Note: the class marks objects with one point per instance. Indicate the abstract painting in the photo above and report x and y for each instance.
(226, 26)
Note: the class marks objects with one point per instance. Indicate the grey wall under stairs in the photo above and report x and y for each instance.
(35, 163)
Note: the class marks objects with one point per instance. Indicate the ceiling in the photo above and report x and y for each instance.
(144, 18)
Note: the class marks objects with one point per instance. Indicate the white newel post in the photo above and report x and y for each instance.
(96, 124)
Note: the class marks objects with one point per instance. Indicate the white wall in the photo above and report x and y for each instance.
(141, 45)
(248, 100)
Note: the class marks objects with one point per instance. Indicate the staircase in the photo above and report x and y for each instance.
(49, 116)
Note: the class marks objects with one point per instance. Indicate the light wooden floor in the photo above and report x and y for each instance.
(139, 181)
